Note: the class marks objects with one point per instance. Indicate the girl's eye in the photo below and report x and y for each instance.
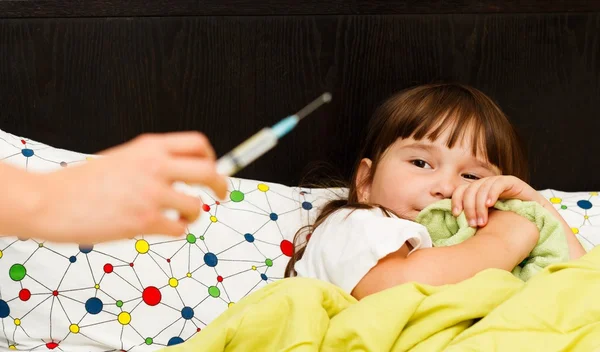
(471, 177)
(420, 163)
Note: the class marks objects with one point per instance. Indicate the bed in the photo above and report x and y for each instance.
(78, 79)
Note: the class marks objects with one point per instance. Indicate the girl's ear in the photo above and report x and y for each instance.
(363, 181)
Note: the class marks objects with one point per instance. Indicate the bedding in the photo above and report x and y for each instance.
(557, 310)
(108, 297)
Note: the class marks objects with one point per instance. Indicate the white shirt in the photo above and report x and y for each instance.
(350, 242)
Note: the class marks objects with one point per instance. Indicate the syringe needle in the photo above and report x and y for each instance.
(314, 105)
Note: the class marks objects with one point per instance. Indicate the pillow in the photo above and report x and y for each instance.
(581, 210)
(148, 292)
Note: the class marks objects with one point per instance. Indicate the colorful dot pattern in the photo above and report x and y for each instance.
(148, 292)
(581, 210)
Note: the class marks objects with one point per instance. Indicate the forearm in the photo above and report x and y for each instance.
(576, 250)
(20, 200)
(449, 265)
(502, 244)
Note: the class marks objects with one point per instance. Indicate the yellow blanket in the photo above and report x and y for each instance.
(557, 310)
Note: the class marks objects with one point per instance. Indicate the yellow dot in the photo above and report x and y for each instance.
(173, 282)
(188, 274)
(230, 304)
(555, 200)
(89, 158)
(74, 328)
(40, 245)
(0, 254)
(97, 287)
(12, 347)
(142, 246)
(124, 318)
(17, 322)
(262, 187)
(593, 193)
(575, 230)
(213, 218)
(586, 217)
(253, 267)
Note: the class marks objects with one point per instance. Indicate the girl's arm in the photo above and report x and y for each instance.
(507, 240)
(475, 198)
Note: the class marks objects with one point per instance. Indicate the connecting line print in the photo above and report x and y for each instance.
(147, 292)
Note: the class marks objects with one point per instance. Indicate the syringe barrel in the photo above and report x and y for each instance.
(247, 152)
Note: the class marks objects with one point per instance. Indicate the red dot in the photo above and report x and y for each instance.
(218, 203)
(24, 294)
(198, 330)
(308, 236)
(108, 268)
(220, 278)
(168, 260)
(287, 248)
(51, 345)
(131, 265)
(206, 208)
(151, 296)
(23, 141)
(55, 293)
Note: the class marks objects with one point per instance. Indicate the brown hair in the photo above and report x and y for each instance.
(425, 112)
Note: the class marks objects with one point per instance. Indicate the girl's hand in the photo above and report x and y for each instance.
(476, 197)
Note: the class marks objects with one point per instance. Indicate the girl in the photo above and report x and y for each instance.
(423, 145)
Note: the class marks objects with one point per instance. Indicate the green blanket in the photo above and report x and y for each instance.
(552, 247)
(557, 310)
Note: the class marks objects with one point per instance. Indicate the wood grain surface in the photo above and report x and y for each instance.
(89, 83)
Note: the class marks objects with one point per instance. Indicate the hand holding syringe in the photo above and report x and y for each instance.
(264, 140)
(260, 143)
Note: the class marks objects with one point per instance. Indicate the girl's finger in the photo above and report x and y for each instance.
(457, 200)
(483, 200)
(469, 203)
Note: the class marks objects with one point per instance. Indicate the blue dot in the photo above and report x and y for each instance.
(274, 216)
(4, 309)
(28, 153)
(94, 305)
(306, 205)
(187, 313)
(264, 277)
(211, 259)
(584, 204)
(72, 259)
(85, 249)
(174, 341)
(249, 237)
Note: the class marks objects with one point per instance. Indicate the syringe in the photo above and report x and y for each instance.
(263, 141)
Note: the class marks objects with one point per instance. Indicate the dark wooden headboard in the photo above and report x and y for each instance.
(88, 75)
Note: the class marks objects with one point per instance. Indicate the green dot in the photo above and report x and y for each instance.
(214, 291)
(17, 272)
(41, 245)
(269, 262)
(149, 341)
(563, 207)
(236, 196)
(191, 238)
(119, 303)
(201, 238)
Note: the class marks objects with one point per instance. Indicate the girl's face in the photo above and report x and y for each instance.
(414, 174)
